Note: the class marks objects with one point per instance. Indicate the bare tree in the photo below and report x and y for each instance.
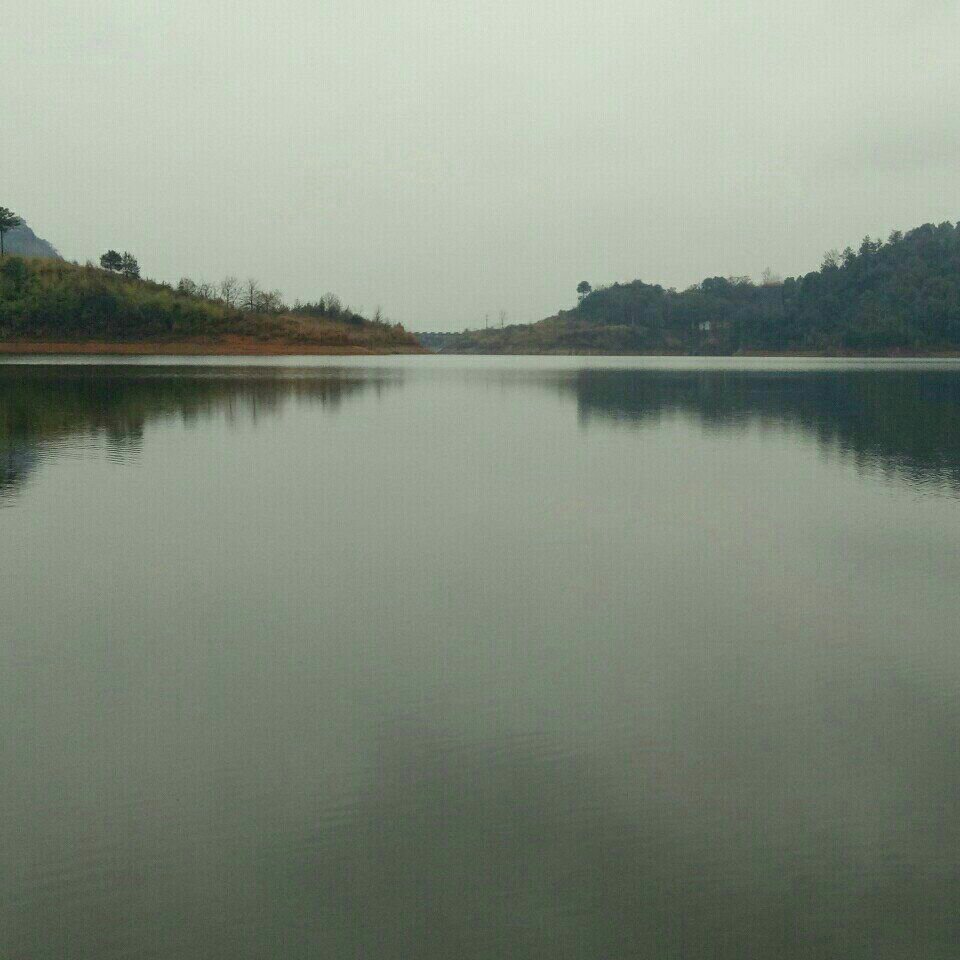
(229, 290)
(331, 303)
(831, 258)
(270, 301)
(250, 296)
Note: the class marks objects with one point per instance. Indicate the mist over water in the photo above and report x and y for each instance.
(429, 658)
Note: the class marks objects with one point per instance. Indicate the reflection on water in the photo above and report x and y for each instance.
(461, 674)
(16, 463)
(902, 421)
(42, 405)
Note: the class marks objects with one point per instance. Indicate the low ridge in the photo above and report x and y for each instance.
(899, 296)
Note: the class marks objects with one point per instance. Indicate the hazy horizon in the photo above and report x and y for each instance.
(447, 161)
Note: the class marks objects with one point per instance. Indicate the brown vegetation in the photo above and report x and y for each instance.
(49, 306)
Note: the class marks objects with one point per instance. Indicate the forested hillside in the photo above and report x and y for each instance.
(52, 300)
(901, 295)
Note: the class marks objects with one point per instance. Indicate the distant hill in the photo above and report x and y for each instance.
(52, 306)
(23, 241)
(899, 296)
(437, 342)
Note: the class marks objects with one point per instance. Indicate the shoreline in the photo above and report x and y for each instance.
(231, 347)
(742, 355)
(784, 355)
(238, 346)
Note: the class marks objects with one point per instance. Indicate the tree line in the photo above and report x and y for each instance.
(44, 298)
(901, 294)
(247, 296)
(250, 297)
(54, 299)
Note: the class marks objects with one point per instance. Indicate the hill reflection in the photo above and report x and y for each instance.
(44, 405)
(902, 422)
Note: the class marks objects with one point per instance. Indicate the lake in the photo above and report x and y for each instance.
(455, 658)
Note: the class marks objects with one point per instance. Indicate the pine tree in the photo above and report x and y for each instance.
(111, 261)
(129, 266)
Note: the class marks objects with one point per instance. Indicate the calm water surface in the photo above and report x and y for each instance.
(449, 658)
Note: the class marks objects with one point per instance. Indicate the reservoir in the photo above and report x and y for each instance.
(449, 658)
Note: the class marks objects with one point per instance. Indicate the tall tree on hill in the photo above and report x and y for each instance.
(111, 261)
(583, 289)
(8, 220)
(129, 266)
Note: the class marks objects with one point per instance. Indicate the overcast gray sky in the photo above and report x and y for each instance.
(450, 158)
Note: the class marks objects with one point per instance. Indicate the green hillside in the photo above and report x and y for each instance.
(901, 295)
(52, 300)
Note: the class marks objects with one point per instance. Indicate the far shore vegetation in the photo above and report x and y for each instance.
(898, 296)
(45, 300)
